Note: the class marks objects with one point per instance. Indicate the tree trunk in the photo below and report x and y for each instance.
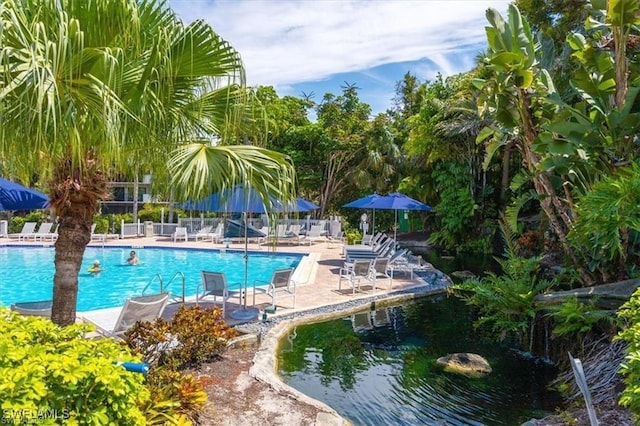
(74, 195)
(74, 233)
(550, 203)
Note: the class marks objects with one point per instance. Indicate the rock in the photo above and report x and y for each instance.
(468, 364)
(464, 275)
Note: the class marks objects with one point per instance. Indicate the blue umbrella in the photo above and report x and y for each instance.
(17, 197)
(238, 199)
(395, 201)
(364, 203)
(299, 205)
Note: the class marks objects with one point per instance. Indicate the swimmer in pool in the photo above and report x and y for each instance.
(96, 268)
(133, 258)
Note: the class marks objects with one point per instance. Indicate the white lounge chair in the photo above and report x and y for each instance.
(28, 229)
(315, 233)
(215, 284)
(136, 309)
(180, 232)
(44, 232)
(201, 234)
(281, 285)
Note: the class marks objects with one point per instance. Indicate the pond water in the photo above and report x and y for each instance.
(378, 368)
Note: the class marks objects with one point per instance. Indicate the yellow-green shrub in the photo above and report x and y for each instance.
(55, 372)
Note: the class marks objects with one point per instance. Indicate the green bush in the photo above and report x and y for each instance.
(17, 222)
(630, 313)
(52, 371)
(195, 335)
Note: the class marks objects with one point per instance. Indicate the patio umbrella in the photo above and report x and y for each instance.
(298, 205)
(239, 199)
(395, 201)
(17, 197)
(364, 203)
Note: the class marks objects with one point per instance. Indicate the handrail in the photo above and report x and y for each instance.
(184, 283)
(159, 277)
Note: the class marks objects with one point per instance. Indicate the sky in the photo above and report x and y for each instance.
(313, 47)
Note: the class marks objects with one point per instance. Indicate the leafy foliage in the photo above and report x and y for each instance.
(196, 334)
(45, 367)
(575, 319)
(630, 313)
(607, 222)
(506, 302)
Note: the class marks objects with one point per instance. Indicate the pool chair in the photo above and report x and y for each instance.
(379, 267)
(315, 233)
(281, 285)
(180, 232)
(28, 230)
(44, 232)
(39, 309)
(202, 233)
(136, 309)
(356, 273)
(214, 284)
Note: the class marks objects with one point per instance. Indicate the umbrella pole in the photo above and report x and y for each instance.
(395, 226)
(244, 313)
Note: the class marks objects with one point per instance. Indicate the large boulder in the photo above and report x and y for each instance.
(468, 364)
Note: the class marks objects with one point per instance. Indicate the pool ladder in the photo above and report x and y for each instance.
(158, 277)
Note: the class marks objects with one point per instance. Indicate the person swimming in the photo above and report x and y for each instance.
(133, 258)
(96, 267)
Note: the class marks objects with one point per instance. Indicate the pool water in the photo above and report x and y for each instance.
(26, 273)
(379, 368)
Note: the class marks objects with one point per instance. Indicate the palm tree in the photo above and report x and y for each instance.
(90, 89)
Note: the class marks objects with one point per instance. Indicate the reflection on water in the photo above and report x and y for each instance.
(379, 368)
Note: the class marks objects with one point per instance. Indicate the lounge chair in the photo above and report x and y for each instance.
(136, 309)
(281, 285)
(44, 232)
(180, 232)
(356, 273)
(201, 234)
(97, 237)
(28, 230)
(40, 309)
(315, 233)
(379, 268)
(215, 284)
(336, 240)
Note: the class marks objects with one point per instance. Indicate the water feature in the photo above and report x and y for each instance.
(378, 367)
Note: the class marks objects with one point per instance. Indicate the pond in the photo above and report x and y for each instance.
(378, 367)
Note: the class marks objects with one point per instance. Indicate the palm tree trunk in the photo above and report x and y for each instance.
(74, 233)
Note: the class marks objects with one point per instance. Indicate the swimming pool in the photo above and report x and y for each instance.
(26, 273)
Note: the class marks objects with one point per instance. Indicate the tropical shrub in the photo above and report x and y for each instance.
(17, 222)
(607, 218)
(196, 334)
(576, 320)
(57, 373)
(505, 302)
(630, 313)
(176, 394)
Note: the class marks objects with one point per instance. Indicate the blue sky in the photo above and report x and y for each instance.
(305, 46)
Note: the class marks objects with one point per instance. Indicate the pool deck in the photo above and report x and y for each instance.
(317, 296)
(316, 277)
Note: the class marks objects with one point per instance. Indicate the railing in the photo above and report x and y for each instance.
(157, 277)
(184, 284)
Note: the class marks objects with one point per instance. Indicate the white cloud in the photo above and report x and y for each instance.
(284, 42)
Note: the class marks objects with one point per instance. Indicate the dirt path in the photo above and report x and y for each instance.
(235, 398)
